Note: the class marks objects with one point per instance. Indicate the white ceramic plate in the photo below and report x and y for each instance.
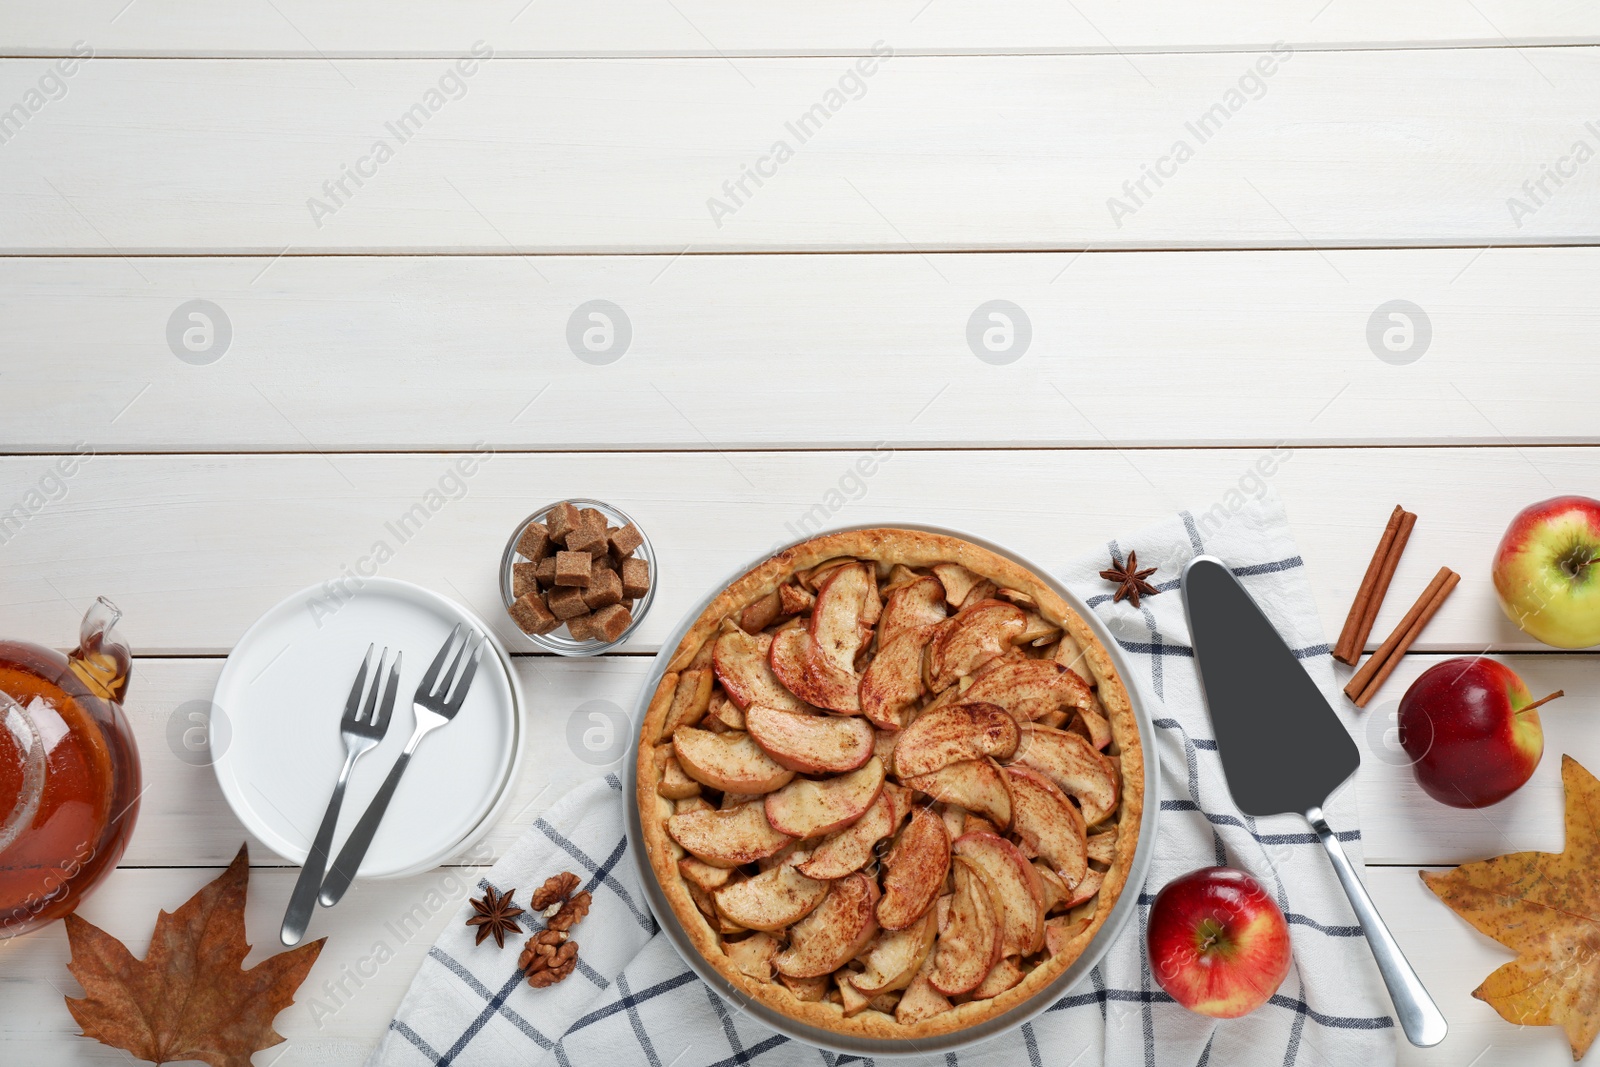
(283, 693)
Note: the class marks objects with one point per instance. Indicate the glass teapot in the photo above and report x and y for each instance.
(69, 771)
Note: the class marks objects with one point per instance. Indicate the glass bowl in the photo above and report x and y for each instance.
(556, 641)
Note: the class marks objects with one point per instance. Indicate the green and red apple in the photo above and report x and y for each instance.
(1547, 571)
(1472, 731)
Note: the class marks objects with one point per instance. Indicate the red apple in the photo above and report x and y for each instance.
(1547, 571)
(1218, 943)
(1472, 731)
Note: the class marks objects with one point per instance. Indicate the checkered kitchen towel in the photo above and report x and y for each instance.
(633, 1001)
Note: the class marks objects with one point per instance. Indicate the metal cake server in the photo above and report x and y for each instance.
(1284, 750)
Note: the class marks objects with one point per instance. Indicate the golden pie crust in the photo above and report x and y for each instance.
(918, 550)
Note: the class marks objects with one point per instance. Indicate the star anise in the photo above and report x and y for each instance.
(496, 915)
(1130, 579)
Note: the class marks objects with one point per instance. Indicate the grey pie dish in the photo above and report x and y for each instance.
(1124, 907)
(558, 641)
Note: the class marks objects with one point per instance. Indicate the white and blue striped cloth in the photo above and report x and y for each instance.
(634, 1001)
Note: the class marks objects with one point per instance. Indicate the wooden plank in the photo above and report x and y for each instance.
(325, 1028)
(447, 351)
(579, 708)
(704, 28)
(1422, 147)
(194, 548)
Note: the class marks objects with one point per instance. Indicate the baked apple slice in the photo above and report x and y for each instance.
(972, 638)
(921, 1002)
(725, 711)
(1056, 893)
(840, 624)
(895, 956)
(1094, 722)
(850, 849)
(977, 785)
(702, 874)
(807, 808)
(1072, 763)
(772, 900)
(690, 698)
(914, 605)
(1084, 890)
(810, 744)
(953, 734)
(729, 838)
(799, 667)
(1001, 977)
(1014, 890)
(809, 990)
(914, 871)
(1062, 931)
(1029, 688)
(741, 664)
(1103, 847)
(851, 1000)
(956, 580)
(893, 681)
(969, 944)
(730, 762)
(792, 600)
(834, 932)
(675, 785)
(753, 955)
(1049, 824)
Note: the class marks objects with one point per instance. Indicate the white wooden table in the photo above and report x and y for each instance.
(796, 214)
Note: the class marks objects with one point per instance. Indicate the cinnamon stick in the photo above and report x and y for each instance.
(1402, 535)
(1358, 681)
(1358, 625)
(1370, 678)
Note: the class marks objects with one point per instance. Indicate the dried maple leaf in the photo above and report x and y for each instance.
(190, 998)
(1546, 907)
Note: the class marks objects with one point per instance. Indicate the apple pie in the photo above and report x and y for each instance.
(890, 783)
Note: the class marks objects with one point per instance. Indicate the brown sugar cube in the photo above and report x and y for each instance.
(544, 572)
(587, 539)
(524, 579)
(635, 578)
(626, 541)
(572, 568)
(581, 627)
(562, 520)
(532, 616)
(591, 517)
(534, 544)
(603, 562)
(609, 622)
(605, 589)
(567, 603)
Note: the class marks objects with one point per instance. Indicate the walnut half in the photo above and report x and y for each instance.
(548, 958)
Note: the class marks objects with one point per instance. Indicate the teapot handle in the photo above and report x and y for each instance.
(103, 659)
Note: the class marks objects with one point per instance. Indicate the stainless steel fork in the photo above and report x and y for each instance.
(362, 727)
(435, 705)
